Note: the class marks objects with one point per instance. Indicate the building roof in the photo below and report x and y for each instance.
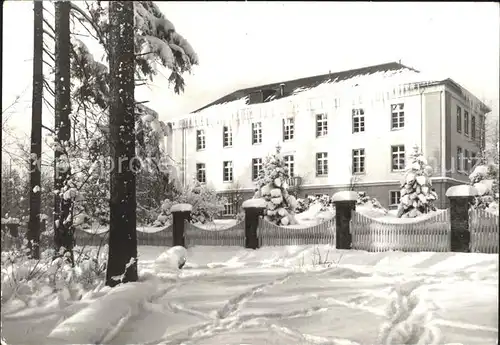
(264, 93)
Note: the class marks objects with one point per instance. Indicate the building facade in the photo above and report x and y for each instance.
(347, 130)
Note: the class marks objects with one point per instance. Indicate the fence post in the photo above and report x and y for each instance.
(180, 213)
(345, 203)
(460, 201)
(254, 208)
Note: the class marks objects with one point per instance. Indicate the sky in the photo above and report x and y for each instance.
(243, 44)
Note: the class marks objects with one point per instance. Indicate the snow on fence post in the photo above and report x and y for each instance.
(254, 208)
(180, 213)
(461, 198)
(345, 203)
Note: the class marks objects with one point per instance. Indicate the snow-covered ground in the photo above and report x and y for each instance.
(274, 295)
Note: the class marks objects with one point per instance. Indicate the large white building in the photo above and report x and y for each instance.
(340, 130)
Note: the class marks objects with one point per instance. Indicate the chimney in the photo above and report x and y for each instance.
(282, 89)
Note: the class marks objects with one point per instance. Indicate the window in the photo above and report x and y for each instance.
(256, 133)
(229, 206)
(459, 119)
(288, 128)
(482, 131)
(466, 160)
(256, 167)
(397, 116)
(473, 127)
(459, 159)
(321, 125)
(358, 161)
(227, 136)
(466, 122)
(395, 197)
(398, 157)
(290, 164)
(200, 139)
(472, 160)
(358, 120)
(321, 163)
(201, 174)
(227, 175)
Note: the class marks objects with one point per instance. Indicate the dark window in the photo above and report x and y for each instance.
(288, 128)
(395, 197)
(321, 125)
(397, 116)
(290, 164)
(358, 161)
(227, 168)
(200, 139)
(358, 120)
(227, 136)
(201, 174)
(398, 157)
(256, 133)
(322, 163)
(256, 167)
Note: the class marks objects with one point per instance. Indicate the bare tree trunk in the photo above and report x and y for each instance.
(63, 223)
(33, 234)
(122, 257)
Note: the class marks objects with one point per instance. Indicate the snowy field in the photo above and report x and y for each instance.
(274, 295)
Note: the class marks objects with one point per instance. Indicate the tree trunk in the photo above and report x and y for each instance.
(122, 257)
(33, 234)
(63, 223)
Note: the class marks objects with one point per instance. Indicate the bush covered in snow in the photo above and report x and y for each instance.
(205, 201)
(365, 200)
(23, 278)
(273, 187)
(417, 194)
(304, 204)
(485, 179)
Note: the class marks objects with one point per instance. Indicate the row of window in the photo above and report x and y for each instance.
(358, 164)
(358, 126)
(466, 123)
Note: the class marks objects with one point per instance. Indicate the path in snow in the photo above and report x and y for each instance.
(234, 296)
(232, 304)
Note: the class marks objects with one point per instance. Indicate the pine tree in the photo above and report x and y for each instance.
(33, 233)
(273, 187)
(417, 194)
(63, 203)
(122, 256)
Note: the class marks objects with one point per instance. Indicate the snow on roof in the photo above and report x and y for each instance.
(363, 85)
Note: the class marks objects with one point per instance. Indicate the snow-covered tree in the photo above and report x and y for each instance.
(485, 174)
(417, 194)
(273, 187)
(485, 179)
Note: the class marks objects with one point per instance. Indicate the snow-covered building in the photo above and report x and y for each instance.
(350, 129)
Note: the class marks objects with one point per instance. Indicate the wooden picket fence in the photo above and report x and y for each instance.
(270, 234)
(430, 233)
(483, 227)
(196, 236)
(162, 237)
